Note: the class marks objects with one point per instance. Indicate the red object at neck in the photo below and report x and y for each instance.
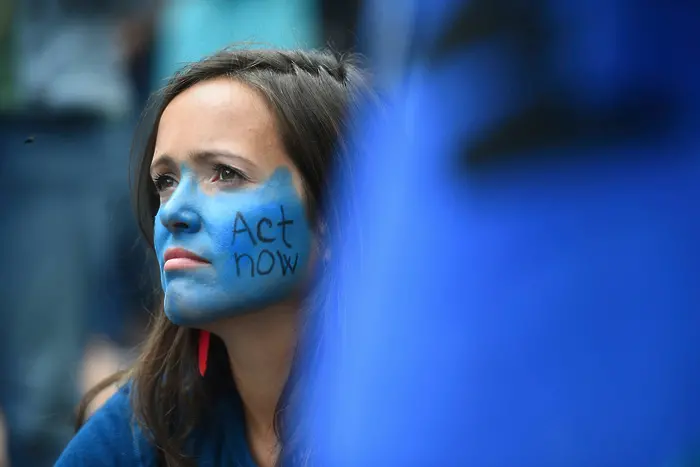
(203, 351)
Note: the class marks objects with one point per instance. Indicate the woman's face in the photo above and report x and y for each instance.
(232, 233)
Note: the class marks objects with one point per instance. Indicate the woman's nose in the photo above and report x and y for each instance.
(178, 215)
(181, 221)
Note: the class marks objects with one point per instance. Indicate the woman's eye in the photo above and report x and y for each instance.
(226, 174)
(163, 182)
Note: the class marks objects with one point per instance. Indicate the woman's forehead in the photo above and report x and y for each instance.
(220, 115)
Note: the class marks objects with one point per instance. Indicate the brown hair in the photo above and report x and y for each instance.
(311, 94)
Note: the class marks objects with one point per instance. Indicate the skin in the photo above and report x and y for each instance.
(223, 115)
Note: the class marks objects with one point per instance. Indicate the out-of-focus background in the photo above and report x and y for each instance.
(76, 287)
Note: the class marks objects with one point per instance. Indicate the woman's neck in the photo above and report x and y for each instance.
(260, 347)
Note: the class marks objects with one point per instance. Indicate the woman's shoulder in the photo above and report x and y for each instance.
(110, 438)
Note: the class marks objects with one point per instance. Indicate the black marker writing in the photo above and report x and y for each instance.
(265, 263)
(238, 258)
(283, 223)
(285, 262)
(262, 223)
(239, 215)
(265, 272)
(261, 237)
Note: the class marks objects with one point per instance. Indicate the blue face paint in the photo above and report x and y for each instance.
(258, 243)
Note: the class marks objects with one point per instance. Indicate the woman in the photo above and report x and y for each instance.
(231, 192)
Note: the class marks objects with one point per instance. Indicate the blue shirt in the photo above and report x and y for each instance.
(110, 438)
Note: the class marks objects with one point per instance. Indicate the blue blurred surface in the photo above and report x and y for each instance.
(524, 289)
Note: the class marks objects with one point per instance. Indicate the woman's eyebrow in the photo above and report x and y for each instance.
(205, 156)
(162, 160)
(218, 154)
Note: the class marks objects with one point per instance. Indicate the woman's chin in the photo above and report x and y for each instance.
(185, 310)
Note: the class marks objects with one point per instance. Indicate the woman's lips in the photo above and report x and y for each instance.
(179, 258)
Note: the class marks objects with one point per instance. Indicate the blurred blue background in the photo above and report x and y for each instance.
(521, 285)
